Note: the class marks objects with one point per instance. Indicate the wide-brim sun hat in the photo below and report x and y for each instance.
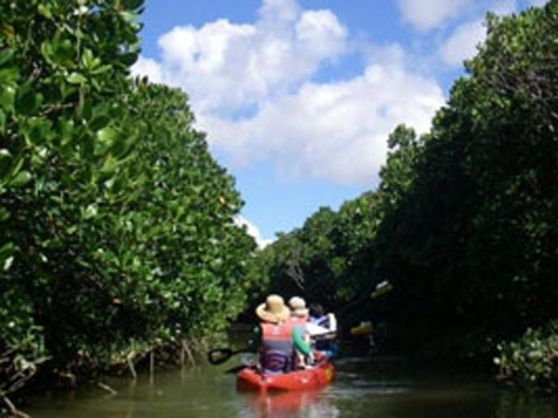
(273, 310)
(298, 306)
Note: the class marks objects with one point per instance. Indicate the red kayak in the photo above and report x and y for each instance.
(317, 376)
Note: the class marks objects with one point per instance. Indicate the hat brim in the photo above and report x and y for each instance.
(300, 312)
(274, 317)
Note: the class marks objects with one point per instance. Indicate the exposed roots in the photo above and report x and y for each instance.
(12, 410)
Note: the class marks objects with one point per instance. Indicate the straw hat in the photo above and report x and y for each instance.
(273, 310)
(298, 306)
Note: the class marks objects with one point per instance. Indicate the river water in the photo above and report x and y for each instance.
(378, 387)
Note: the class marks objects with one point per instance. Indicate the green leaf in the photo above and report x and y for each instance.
(4, 214)
(132, 4)
(58, 51)
(90, 211)
(27, 101)
(76, 78)
(7, 97)
(66, 128)
(21, 179)
(99, 122)
(8, 31)
(5, 163)
(107, 135)
(129, 17)
(45, 11)
(2, 122)
(36, 130)
(89, 61)
(102, 69)
(8, 263)
(6, 55)
(8, 75)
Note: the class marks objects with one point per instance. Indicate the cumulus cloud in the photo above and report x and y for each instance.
(148, 67)
(428, 14)
(464, 40)
(334, 130)
(253, 231)
(253, 89)
(226, 67)
(537, 3)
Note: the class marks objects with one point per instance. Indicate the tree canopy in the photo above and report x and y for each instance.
(118, 231)
(463, 222)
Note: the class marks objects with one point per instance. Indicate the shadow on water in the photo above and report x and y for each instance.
(380, 387)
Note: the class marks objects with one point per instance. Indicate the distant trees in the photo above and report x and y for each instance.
(463, 222)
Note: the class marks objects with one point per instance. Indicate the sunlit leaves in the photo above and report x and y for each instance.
(116, 221)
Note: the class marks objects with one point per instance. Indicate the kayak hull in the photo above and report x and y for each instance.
(316, 377)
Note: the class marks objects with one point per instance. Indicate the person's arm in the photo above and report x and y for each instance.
(332, 322)
(299, 343)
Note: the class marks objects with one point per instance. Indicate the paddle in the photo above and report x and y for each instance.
(221, 355)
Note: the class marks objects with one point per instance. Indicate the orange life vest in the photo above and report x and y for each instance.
(277, 346)
(299, 321)
(277, 332)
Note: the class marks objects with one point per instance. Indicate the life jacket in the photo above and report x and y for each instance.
(277, 347)
(299, 322)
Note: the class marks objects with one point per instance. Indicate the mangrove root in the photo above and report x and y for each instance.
(186, 348)
(130, 361)
(12, 410)
(107, 388)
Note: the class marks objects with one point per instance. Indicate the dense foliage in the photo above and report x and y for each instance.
(532, 360)
(473, 242)
(118, 230)
(463, 223)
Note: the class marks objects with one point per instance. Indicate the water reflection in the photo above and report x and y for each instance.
(291, 404)
(364, 387)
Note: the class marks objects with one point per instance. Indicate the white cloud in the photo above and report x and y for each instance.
(429, 14)
(463, 42)
(147, 67)
(226, 67)
(253, 231)
(335, 130)
(537, 3)
(253, 90)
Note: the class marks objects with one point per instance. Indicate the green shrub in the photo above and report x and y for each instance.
(118, 230)
(532, 360)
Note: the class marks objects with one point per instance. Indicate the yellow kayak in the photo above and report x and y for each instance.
(365, 328)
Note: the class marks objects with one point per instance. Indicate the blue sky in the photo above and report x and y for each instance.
(298, 96)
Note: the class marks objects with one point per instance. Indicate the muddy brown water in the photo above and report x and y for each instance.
(378, 387)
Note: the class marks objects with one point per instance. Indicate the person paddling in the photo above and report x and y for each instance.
(299, 312)
(299, 318)
(327, 323)
(278, 338)
(323, 330)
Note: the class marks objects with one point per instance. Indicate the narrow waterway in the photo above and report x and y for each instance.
(364, 387)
